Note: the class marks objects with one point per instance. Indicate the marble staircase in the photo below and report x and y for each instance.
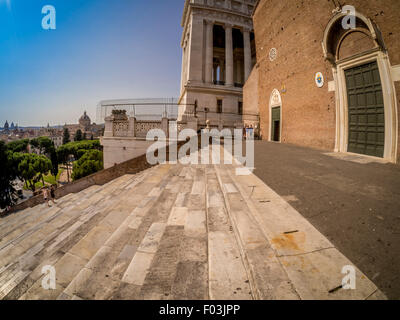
(171, 232)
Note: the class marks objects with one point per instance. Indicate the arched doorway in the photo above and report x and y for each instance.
(366, 109)
(275, 116)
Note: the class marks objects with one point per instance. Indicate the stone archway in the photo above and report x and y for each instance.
(362, 50)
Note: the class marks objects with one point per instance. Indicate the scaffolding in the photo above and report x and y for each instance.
(149, 109)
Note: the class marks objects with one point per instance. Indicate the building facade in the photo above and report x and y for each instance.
(328, 75)
(86, 126)
(218, 54)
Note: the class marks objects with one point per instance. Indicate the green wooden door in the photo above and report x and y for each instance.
(276, 124)
(366, 110)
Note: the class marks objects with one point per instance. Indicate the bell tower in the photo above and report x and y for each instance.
(218, 54)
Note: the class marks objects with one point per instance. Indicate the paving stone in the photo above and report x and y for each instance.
(198, 188)
(88, 246)
(181, 200)
(138, 268)
(195, 224)
(315, 274)
(190, 282)
(228, 278)
(230, 188)
(152, 239)
(194, 249)
(178, 216)
(160, 278)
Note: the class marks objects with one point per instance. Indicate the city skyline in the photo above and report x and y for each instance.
(99, 50)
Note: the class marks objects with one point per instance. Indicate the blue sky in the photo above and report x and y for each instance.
(101, 49)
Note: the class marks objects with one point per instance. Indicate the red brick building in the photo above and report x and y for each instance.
(327, 77)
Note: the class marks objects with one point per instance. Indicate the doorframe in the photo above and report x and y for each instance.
(275, 101)
(389, 100)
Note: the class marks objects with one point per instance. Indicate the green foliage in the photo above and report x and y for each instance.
(44, 144)
(54, 162)
(48, 179)
(31, 167)
(18, 146)
(78, 135)
(89, 163)
(66, 136)
(46, 147)
(7, 176)
(75, 149)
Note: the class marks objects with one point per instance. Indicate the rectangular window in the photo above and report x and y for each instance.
(219, 106)
(240, 107)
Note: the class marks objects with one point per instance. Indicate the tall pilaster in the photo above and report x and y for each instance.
(247, 53)
(209, 51)
(195, 49)
(229, 55)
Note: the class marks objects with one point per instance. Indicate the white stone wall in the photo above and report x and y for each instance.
(118, 150)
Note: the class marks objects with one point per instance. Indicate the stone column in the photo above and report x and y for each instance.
(247, 53)
(131, 132)
(164, 126)
(209, 51)
(108, 130)
(229, 55)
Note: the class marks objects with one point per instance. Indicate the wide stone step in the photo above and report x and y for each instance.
(297, 253)
(72, 221)
(228, 275)
(81, 243)
(111, 261)
(268, 279)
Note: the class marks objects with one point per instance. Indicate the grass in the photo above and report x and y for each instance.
(48, 179)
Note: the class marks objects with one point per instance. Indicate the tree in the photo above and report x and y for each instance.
(63, 154)
(44, 144)
(78, 135)
(46, 147)
(31, 168)
(54, 162)
(18, 146)
(66, 137)
(91, 162)
(84, 136)
(77, 149)
(91, 137)
(7, 175)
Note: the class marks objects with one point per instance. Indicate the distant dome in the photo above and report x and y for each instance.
(85, 120)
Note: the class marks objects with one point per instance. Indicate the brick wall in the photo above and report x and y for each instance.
(250, 93)
(296, 28)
